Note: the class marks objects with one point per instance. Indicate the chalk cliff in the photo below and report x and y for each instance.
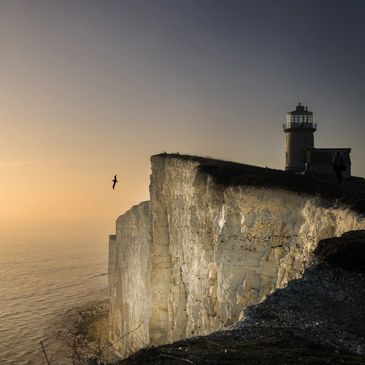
(316, 319)
(128, 274)
(214, 239)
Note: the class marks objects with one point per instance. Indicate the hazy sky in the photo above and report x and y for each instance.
(93, 88)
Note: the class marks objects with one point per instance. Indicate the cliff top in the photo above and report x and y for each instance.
(226, 173)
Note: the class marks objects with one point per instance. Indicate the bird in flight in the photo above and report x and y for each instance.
(114, 181)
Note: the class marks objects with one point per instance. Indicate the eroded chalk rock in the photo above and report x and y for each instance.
(210, 243)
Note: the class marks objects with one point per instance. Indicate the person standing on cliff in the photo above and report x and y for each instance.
(339, 166)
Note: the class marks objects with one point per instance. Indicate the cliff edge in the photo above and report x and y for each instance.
(215, 238)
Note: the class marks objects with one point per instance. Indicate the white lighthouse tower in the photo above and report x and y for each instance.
(299, 129)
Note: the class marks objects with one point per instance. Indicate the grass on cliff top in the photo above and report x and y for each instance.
(226, 173)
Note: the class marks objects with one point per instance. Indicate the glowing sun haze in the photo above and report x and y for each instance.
(90, 89)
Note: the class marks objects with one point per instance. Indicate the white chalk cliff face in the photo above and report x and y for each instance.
(129, 267)
(192, 259)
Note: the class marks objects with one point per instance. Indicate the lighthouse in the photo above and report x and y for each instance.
(299, 129)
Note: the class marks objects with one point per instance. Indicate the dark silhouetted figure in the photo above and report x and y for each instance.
(114, 181)
(339, 166)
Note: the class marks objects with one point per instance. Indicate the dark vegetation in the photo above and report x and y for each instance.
(347, 251)
(274, 347)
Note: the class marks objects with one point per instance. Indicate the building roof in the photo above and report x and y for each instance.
(301, 110)
(329, 149)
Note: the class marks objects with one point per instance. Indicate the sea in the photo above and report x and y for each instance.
(42, 286)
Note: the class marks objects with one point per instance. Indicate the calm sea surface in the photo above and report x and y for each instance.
(41, 284)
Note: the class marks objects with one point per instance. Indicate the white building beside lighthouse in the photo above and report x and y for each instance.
(300, 154)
